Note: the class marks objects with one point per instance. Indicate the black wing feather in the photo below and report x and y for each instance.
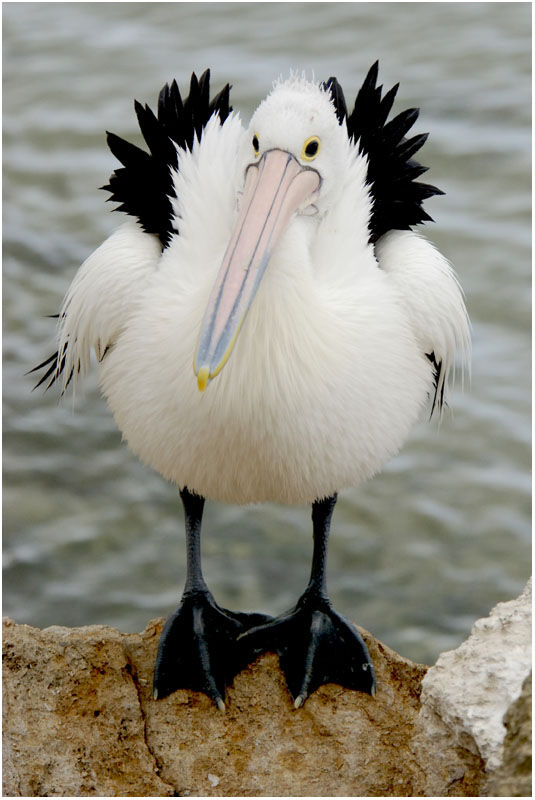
(143, 186)
(56, 366)
(397, 195)
(438, 397)
(337, 95)
(386, 103)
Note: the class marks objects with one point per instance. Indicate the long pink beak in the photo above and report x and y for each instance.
(275, 187)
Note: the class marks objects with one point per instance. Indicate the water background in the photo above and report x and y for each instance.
(423, 550)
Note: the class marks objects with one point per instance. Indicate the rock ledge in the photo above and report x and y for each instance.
(79, 719)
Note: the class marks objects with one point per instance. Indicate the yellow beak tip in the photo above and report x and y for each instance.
(203, 376)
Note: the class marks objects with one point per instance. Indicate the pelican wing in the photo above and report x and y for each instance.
(440, 319)
(427, 286)
(397, 197)
(99, 301)
(143, 185)
(144, 188)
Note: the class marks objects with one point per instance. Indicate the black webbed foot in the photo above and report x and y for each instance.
(198, 648)
(316, 646)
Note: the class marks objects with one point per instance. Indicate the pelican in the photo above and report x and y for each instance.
(268, 327)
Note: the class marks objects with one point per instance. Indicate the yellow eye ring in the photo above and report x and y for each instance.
(311, 148)
(256, 144)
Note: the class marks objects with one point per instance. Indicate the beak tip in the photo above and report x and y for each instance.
(203, 376)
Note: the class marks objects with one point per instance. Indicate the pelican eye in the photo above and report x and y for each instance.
(311, 148)
(256, 144)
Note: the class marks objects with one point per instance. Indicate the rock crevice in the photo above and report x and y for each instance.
(132, 669)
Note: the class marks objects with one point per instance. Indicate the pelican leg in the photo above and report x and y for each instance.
(197, 648)
(315, 644)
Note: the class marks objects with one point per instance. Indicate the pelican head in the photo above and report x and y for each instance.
(293, 165)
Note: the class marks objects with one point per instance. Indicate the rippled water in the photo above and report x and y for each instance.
(92, 536)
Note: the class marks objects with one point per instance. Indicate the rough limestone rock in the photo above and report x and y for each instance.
(513, 778)
(73, 724)
(79, 719)
(466, 695)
